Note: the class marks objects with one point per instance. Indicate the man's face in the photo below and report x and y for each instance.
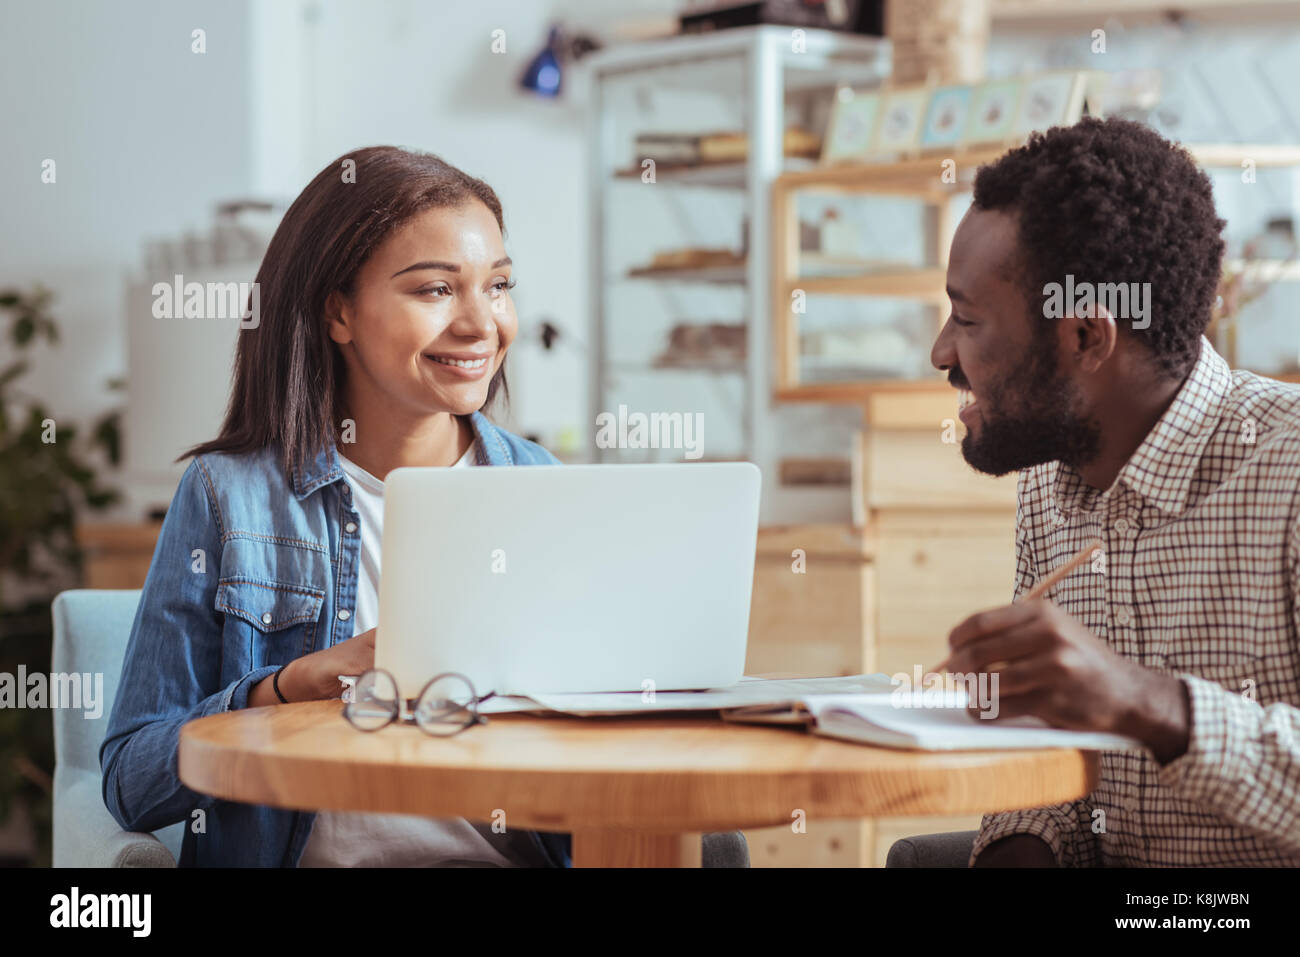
(1021, 407)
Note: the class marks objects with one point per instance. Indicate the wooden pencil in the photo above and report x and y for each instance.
(1044, 586)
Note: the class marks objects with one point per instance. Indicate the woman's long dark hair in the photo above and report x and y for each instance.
(289, 374)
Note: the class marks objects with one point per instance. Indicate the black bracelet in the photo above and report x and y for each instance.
(275, 683)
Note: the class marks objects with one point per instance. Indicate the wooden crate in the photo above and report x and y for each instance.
(934, 569)
(913, 468)
(838, 843)
(861, 842)
(878, 599)
(117, 555)
(815, 622)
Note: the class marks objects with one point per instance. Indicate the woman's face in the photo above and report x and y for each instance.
(430, 316)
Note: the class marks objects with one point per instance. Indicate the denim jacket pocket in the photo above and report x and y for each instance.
(282, 619)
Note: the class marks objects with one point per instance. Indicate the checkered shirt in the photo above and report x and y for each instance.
(1200, 579)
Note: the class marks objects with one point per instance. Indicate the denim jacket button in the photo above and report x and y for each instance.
(344, 614)
(350, 527)
(266, 619)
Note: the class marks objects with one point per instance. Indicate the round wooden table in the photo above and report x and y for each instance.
(633, 791)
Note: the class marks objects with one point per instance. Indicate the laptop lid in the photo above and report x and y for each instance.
(575, 578)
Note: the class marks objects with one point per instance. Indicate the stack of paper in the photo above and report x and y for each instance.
(864, 708)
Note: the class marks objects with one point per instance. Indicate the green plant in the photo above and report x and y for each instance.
(47, 478)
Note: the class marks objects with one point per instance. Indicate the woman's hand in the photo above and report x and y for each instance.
(316, 676)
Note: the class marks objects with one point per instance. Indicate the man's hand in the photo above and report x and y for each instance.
(1017, 850)
(1052, 667)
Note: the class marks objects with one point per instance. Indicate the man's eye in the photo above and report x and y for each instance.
(960, 322)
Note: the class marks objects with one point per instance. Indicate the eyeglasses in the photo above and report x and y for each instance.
(447, 705)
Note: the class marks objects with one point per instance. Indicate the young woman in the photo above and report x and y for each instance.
(385, 316)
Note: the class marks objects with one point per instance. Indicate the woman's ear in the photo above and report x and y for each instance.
(338, 317)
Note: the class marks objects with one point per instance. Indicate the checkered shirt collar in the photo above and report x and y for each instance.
(1162, 468)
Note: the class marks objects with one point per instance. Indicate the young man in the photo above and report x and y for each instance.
(1082, 280)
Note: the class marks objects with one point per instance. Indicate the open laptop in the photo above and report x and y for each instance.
(573, 578)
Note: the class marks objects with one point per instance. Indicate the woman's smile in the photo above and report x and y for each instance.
(464, 366)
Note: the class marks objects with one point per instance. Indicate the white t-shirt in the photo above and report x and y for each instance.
(360, 839)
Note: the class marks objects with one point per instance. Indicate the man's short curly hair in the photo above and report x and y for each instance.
(1111, 201)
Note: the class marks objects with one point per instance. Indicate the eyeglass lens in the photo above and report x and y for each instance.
(374, 703)
(446, 705)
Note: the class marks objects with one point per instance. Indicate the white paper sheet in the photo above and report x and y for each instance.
(930, 726)
(746, 692)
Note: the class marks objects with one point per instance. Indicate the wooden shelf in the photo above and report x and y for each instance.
(854, 393)
(1265, 270)
(715, 274)
(921, 176)
(1222, 155)
(924, 283)
(721, 368)
(720, 175)
(1011, 11)
(844, 265)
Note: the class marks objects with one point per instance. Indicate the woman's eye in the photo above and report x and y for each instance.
(502, 285)
(441, 289)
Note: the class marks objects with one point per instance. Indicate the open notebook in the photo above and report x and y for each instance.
(862, 708)
(929, 722)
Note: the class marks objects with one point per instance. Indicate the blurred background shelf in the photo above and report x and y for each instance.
(715, 274)
(775, 96)
(720, 175)
(803, 376)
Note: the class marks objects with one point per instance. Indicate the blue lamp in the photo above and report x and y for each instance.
(543, 74)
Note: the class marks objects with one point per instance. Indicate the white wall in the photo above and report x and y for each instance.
(148, 136)
(145, 135)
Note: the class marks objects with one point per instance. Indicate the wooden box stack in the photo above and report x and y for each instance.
(937, 544)
(937, 41)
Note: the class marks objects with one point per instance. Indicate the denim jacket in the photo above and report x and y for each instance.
(250, 571)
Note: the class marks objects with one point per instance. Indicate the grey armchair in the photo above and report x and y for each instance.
(951, 849)
(91, 629)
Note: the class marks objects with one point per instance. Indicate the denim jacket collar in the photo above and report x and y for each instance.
(489, 449)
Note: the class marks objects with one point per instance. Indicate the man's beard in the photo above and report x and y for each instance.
(1050, 430)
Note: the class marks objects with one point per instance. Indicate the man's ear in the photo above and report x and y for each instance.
(338, 317)
(1093, 331)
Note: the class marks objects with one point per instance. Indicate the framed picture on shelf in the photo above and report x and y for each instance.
(1050, 99)
(946, 117)
(993, 111)
(901, 116)
(852, 125)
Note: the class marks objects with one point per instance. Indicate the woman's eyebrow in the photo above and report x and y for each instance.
(447, 267)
